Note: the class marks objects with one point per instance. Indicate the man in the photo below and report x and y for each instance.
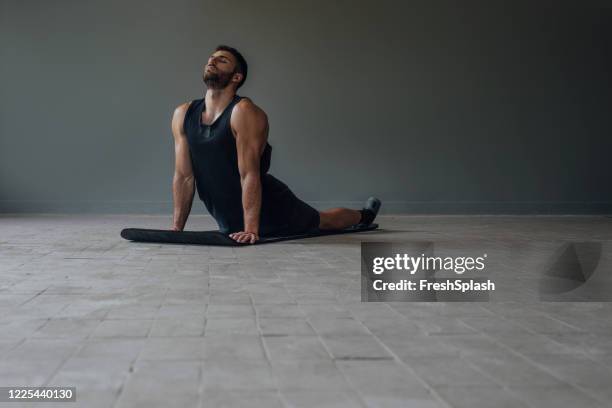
(221, 146)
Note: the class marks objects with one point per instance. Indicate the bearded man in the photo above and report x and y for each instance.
(221, 147)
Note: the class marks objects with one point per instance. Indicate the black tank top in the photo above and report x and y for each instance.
(214, 161)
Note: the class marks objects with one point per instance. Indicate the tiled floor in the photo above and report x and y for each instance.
(282, 325)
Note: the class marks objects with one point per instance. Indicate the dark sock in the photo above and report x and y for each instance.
(367, 216)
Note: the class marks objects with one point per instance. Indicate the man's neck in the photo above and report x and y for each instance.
(218, 99)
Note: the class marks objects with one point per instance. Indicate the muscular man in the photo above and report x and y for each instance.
(221, 147)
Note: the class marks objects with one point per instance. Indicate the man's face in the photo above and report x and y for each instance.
(219, 70)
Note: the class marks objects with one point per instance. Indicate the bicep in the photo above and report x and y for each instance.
(182, 158)
(248, 154)
(251, 129)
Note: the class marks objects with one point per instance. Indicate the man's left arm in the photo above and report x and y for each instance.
(250, 126)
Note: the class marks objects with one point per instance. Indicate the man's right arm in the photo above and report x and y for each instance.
(183, 187)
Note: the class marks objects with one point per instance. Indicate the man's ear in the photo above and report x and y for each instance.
(237, 77)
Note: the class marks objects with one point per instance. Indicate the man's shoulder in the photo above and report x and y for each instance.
(247, 117)
(178, 118)
(182, 108)
(246, 107)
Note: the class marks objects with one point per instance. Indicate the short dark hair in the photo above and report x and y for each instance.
(241, 67)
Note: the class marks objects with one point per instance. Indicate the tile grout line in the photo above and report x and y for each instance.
(406, 367)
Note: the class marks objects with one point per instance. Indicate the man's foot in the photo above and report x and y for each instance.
(370, 210)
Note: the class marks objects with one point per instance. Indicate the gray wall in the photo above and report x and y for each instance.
(435, 106)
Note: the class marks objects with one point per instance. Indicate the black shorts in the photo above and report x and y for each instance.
(304, 218)
(283, 213)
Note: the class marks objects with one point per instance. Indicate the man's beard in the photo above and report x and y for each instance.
(214, 80)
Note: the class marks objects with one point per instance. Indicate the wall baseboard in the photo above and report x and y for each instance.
(389, 207)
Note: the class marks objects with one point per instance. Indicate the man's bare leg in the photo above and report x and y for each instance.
(338, 218)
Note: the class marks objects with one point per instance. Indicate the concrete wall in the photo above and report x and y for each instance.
(434, 106)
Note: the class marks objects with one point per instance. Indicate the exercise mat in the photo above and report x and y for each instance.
(221, 239)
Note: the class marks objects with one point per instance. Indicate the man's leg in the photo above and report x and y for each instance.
(338, 218)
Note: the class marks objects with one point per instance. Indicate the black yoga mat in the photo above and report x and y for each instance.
(218, 238)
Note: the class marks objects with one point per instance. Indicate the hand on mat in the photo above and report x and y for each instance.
(244, 237)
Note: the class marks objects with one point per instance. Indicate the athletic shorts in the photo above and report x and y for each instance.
(283, 213)
(304, 218)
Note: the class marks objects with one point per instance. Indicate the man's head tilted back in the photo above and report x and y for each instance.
(225, 67)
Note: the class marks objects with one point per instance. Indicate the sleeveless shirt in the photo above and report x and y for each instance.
(214, 160)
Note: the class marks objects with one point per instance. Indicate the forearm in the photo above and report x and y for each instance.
(182, 192)
(251, 201)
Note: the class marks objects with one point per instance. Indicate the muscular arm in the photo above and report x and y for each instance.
(183, 182)
(250, 126)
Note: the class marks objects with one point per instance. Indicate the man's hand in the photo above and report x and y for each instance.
(245, 237)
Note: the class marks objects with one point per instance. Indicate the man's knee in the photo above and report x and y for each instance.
(327, 220)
